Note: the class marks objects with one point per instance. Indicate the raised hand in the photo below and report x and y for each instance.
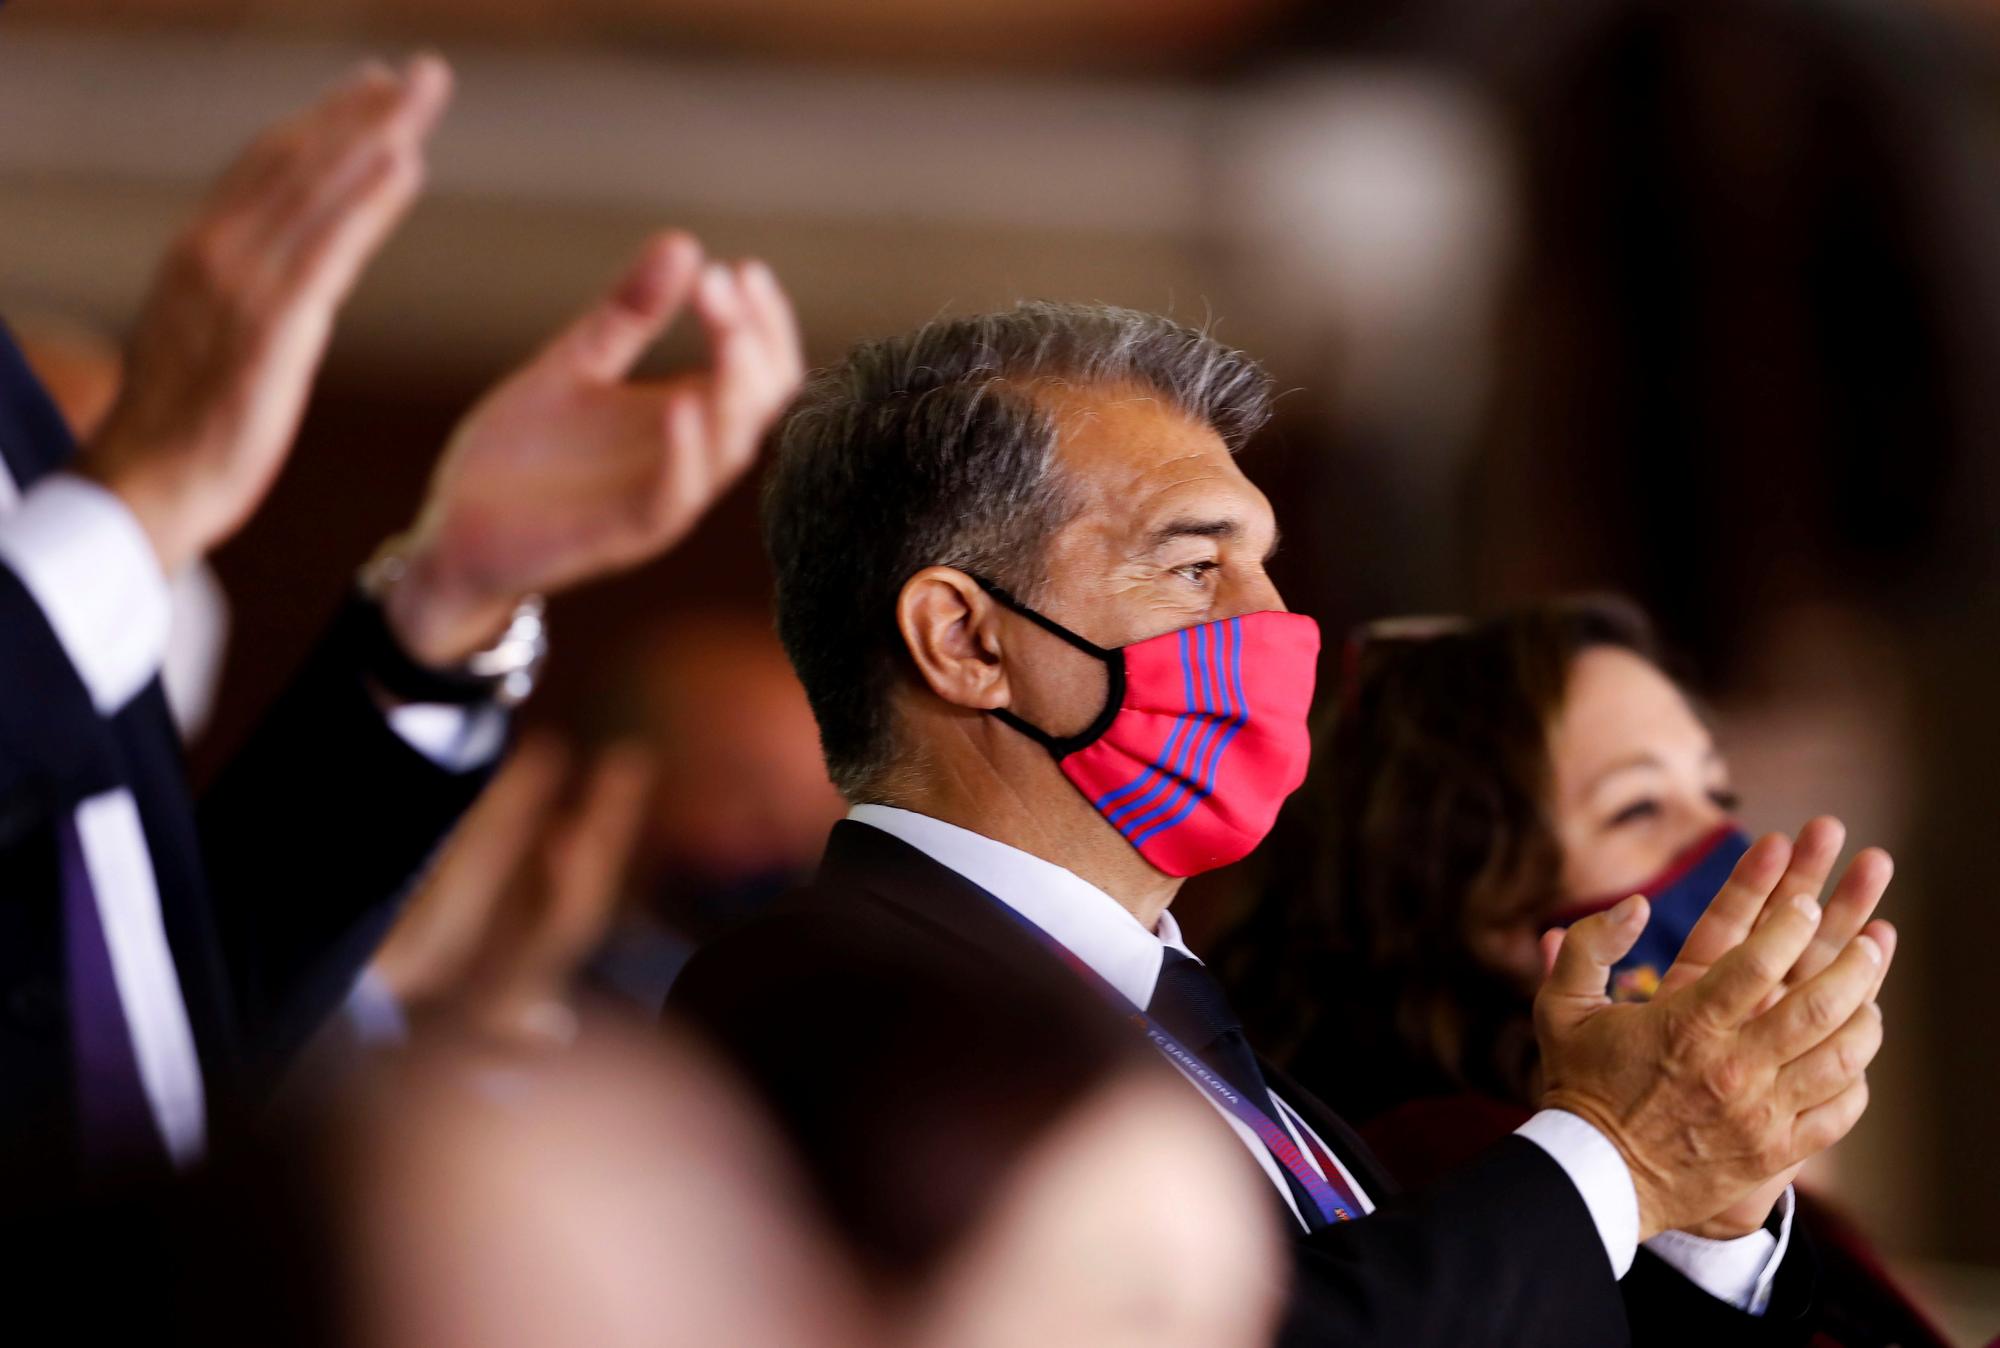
(521, 895)
(232, 334)
(1737, 911)
(567, 470)
(1723, 1082)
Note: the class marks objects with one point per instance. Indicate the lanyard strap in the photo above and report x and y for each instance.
(1332, 1198)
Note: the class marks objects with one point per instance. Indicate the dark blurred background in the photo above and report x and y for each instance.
(1696, 299)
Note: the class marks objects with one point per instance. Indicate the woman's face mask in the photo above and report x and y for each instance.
(1202, 736)
(1679, 895)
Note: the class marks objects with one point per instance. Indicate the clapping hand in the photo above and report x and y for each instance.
(240, 312)
(521, 895)
(568, 470)
(1753, 1055)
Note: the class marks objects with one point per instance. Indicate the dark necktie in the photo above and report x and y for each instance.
(114, 1117)
(1190, 1005)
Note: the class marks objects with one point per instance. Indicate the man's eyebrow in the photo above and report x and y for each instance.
(1187, 527)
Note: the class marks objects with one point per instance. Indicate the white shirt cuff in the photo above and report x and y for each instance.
(457, 739)
(92, 570)
(1599, 1174)
(1738, 1271)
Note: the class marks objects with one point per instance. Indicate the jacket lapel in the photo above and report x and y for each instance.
(921, 891)
(927, 894)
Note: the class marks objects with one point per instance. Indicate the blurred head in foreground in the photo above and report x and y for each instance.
(625, 1192)
(994, 1208)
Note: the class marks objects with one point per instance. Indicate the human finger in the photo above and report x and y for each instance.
(1884, 935)
(742, 387)
(434, 940)
(1831, 1066)
(1813, 1010)
(1551, 946)
(1853, 902)
(1582, 969)
(322, 156)
(275, 149)
(1732, 913)
(771, 311)
(590, 854)
(427, 82)
(1820, 1127)
(1731, 991)
(353, 154)
(1814, 853)
(606, 341)
(328, 260)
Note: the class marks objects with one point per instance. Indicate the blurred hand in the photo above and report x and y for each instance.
(239, 315)
(566, 471)
(429, 954)
(571, 895)
(1728, 1079)
(522, 894)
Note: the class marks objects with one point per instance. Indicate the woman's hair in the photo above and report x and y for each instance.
(1428, 798)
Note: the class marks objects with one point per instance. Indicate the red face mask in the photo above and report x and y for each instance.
(1203, 734)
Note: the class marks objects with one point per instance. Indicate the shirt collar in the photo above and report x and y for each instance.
(1076, 914)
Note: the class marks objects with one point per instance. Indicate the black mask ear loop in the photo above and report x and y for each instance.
(1061, 746)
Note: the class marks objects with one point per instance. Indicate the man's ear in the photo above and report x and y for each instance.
(951, 628)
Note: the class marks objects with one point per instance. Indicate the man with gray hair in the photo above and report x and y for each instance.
(1022, 578)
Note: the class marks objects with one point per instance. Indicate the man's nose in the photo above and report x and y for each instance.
(1251, 594)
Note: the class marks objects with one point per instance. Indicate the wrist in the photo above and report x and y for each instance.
(1650, 1195)
(159, 509)
(437, 619)
(1746, 1218)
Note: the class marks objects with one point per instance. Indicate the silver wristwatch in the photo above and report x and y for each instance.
(504, 672)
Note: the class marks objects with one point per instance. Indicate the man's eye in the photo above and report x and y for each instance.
(1197, 573)
(1726, 800)
(1633, 813)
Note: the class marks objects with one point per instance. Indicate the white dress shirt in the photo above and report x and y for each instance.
(79, 552)
(1101, 932)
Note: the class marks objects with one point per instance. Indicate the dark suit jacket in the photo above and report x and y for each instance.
(273, 893)
(1502, 1252)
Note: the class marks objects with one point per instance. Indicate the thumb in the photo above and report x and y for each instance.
(606, 341)
(1552, 944)
(1581, 971)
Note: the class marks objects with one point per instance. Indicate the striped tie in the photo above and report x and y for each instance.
(1191, 1006)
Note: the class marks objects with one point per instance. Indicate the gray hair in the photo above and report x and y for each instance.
(930, 449)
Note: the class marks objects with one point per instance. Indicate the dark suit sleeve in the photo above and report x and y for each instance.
(1666, 1309)
(1425, 1137)
(1502, 1251)
(312, 836)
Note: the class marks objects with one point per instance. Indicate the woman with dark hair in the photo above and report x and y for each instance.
(1476, 786)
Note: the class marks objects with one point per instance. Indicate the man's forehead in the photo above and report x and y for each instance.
(1144, 462)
